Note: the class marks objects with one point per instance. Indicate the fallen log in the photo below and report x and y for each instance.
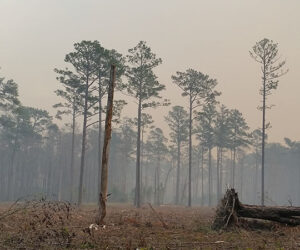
(230, 211)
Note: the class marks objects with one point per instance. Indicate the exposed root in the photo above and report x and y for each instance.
(230, 211)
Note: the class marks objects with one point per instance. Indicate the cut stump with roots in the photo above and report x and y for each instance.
(231, 212)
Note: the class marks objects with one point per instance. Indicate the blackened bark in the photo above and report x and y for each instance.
(106, 148)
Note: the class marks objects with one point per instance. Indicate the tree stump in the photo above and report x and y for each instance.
(232, 212)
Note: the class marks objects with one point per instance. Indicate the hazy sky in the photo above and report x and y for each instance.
(212, 36)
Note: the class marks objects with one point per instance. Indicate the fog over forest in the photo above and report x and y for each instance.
(203, 102)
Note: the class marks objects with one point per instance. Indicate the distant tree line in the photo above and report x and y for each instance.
(209, 146)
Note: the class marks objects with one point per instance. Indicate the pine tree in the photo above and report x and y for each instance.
(198, 88)
(177, 120)
(72, 105)
(143, 86)
(265, 52)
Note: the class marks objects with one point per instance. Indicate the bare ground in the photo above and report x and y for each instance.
(50, 225)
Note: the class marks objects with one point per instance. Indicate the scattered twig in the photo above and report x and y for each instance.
(159, 217)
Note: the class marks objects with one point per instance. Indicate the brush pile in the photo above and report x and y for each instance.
(35, 224)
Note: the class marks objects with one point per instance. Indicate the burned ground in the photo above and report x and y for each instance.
(52, 225)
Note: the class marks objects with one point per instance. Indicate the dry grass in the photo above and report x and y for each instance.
(48, 225)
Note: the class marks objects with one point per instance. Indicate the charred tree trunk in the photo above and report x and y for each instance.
(106, 148)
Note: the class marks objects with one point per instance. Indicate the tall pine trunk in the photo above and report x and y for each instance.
(218, 173)
(99, 139)
(72, 153)
(255, 179)
(202, 178)
(61, 163)
(242, 173)
(158, 189)
(141, 166)
(84, 128)
(155, 186)
(11, 179)
(146, 179)
(263, 137)
(138, 158)
(106, 148)
(197, 177)
(221, 173)
(178, 172)
(190, 156)
(233, 167)
(209, 178)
